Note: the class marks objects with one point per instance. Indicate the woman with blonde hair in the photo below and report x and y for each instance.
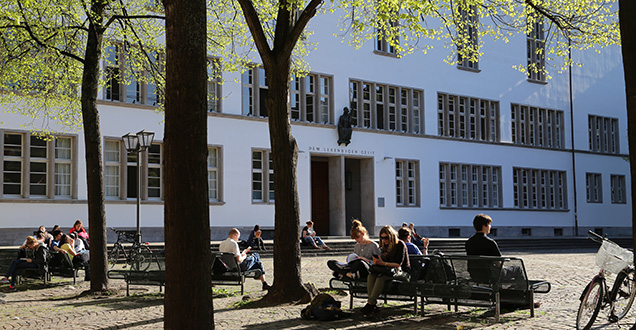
(393, 255)
(360, 260)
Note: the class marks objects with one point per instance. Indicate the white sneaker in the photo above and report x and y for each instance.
(4, 280)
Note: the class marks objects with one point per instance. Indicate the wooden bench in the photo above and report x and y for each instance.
(459, 280)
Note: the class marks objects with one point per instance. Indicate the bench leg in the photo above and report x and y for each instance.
(497, 307)
(415, 305)
(350, 299)
(127, 289)
(531, 293)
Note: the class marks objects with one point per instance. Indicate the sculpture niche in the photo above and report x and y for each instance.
(344, 127)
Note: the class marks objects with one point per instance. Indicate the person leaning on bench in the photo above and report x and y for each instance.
(246, 262)
(393, 255)
(481, 245)
(20, 263)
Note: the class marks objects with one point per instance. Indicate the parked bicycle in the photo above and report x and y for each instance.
(139, 256)
(611, 258)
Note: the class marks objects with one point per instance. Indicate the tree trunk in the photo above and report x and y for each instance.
(188, 299)
(627, 10)
(288, 283)
(92, 143)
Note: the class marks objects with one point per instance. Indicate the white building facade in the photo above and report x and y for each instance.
(432, 143)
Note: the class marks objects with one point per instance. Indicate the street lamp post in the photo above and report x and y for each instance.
(138, 143)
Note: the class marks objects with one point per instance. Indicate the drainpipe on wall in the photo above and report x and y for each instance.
(576, 220)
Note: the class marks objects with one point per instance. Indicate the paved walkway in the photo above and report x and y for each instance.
(58, 307)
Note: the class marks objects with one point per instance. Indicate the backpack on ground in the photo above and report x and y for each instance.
(323, 308)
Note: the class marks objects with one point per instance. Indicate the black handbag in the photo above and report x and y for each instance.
(382, 270)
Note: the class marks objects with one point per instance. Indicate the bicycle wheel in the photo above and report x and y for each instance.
(141, 258)
(113, 255)
(591, 301)
(623, 293)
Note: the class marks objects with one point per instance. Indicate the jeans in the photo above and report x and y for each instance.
(253, 261)
(18, 264)
(313, 241)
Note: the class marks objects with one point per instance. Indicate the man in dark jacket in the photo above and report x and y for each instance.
(480, 244)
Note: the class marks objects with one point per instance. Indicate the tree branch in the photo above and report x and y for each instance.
(253, 22)
(301, 23)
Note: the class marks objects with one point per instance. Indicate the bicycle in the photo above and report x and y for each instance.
(611, 258)
(139, 256)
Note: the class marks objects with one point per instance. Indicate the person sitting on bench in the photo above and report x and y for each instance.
(20, 263)
(246, 262)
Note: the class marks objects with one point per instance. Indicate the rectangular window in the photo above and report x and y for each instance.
(254, 92)
(63, 167)
(469, 185)
(112, 167)
(113, 74)
(603, 134)
(129, 81)
(594, 188)
(386, 107)
(214, 170)
(467, 37)
(116, 159)
(479, 122)
(38, 174)
(154, 171)
(37, 168)
(214, 86)
(381, 42)
(535, 41)
(407, 174)
(262, 177)
(310, 98)
(529, 126)
(617, 183)
(539, 189)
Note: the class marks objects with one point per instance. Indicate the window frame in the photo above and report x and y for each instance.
(386, 109)
(267, 175)
(298, 88)
(214, 85)
(594, 187)
(407, 183)
(218, 169)
(124, 163)
(468, 37)
(119, 64)
(25, 159)
(536, 126)
(603, 134)
(618, 190)
(477, 119)
(535, 48)
(539, 189)
(470, 186)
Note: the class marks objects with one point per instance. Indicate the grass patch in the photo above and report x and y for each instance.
(245, 303)
(223, 293)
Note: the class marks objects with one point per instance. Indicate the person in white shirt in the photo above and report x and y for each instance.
(246, 262)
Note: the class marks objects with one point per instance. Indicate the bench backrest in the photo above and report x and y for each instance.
(229, 259)
(495, 272)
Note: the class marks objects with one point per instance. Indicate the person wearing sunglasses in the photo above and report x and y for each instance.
(393, 254)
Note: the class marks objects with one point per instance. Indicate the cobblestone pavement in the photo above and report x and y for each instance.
(59, 306)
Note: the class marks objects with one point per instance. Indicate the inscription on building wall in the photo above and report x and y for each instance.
(344, 151)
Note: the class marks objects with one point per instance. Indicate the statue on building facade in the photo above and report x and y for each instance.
(344, 127)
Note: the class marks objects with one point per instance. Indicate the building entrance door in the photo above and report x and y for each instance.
(320, 197)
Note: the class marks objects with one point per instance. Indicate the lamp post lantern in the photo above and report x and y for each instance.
(138, 143)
